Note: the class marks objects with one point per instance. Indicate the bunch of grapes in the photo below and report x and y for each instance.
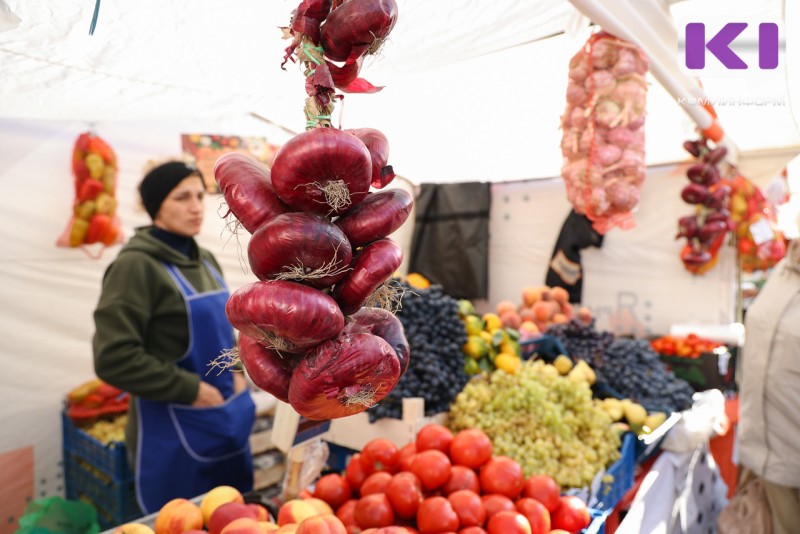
(636, 371)
(582, 340)
(546, 422)
(435, 336)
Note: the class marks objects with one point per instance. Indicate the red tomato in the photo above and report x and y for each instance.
(502, 475)
(333, 489)
(356, 472)
(406, 455)
(469, 508)
(374, 511)
(508, 522)
(544, 489)
(432, 467)
(375, 483)
(382, 455)
(472, 530)
(436, 515)
(405, 493)
(471, 447)
(345, 513)
(571, 514)
(536, 514)
(434, 436)
(461, 478)
(494, 502)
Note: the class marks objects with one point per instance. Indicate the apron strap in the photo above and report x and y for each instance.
(187, 290)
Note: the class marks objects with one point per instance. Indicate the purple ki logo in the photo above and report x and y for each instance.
(719, 45)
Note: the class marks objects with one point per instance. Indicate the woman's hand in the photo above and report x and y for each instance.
(239, 381)
(207, 396)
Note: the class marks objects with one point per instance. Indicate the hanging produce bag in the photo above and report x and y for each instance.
(603, 131)
(761, 245)
(54, 515)
(94, 208)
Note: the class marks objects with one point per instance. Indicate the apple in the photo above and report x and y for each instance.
(218, 496)
(177, 516)
(295, 510)
(228, 512)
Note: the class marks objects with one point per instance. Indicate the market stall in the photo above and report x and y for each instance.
(528, 176)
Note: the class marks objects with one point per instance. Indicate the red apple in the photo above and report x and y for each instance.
(228, 512)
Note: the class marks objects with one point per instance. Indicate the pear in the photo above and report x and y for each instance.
(613, 407)
(563, 363)
(654, 420)
(587, 371)
(635, 413)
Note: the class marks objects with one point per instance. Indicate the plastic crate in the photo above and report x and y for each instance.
(99, 474)
(544, 347)
(620, 476)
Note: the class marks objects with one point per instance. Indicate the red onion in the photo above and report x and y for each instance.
(356, 27)
(376, 216)
(371, 267)
(246, 186)
(302, 247)
(322, 170)
(378, 146)
(710, 230)
(287, 316)
(687, 227)
(386, 326)
(266, 368)
(694, 194)
(343, 376)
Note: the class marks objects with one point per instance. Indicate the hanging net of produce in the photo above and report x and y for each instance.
(603, 131)
(94, 222)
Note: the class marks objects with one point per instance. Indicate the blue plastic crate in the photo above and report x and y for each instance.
(621, 476)
(99, 475)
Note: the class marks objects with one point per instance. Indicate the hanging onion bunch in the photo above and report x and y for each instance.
(317, 330)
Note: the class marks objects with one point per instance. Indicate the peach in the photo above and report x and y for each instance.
(321, 524)
(526, 314)
(504, 306)
(262, 514)
(295, 510)
(216, 497)
(559, 294)
(268, 527)
(177, 516)
(242, 525)
(584, 315)
(133, 528)
(559, 318)
(511, 319)
(321, 506)
(227, 513)
(542, 311)
(288, 528)
(530, 296)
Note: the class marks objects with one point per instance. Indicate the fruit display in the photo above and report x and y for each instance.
(94, 399)
(317, 329)
(760, 244)
(704, 230)
(583, 341)
(632, 416)
(108, 431)
(442, 481)
(436, 365)
(689, 346)
(603, 131)
(490, 344)
(634, 370)
(547, 422)
(94, 209)
(538, 309)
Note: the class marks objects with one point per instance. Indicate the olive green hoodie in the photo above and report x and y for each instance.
(141, 323)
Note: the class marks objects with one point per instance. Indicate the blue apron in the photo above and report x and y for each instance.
(185, 451)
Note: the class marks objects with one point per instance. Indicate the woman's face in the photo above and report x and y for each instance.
(182, 211)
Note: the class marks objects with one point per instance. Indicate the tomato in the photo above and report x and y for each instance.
(571, 514)
(356, 472)
(468, 507)
(333, 489)
(508, 522)
(436, 515)
(382, 455)
(461, 478)
(406, 455)
(471, 447)
(434, 436)
(375, 483)
(405, 493)
(536, 513)
(544, 489)
(432, 467)
(502, 475)
(472, 530)
(345, 513)
(374, 511)
(494, 502)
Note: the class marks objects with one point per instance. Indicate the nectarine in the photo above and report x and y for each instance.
(216, 497)
(177, 516)
(227, 513)
(295, 510)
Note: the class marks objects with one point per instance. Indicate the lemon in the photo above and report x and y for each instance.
(507, 362)
(473, 324)
(492, 321)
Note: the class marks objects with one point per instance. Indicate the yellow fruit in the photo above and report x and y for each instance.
(473, 324)
(475, 347)
(563, 363)
(492, 321)
(486, 336)
(635, 413)
(507, 362)
(587, 371)
(418, 281)
(549, 370)
(216, 497)
(613, 407)
(654, 420)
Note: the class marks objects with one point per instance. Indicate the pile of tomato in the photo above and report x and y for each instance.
(446, 483)
(691, 346)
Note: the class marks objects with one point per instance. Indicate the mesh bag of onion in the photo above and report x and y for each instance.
(603, 131)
